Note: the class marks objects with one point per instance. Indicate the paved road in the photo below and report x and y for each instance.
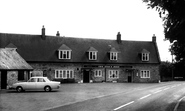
(162, 97)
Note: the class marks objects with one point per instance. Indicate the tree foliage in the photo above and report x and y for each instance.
(172, 13)
(165, 70)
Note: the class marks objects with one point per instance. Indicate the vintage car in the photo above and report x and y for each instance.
(36, 83)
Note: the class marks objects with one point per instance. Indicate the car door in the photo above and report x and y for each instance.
(40, 83)
(31, 84)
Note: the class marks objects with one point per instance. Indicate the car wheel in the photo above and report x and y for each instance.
(47, 88)
(19, 89)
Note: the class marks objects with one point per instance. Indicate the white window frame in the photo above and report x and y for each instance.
(98, 73)
(113, 55)
(113, 72)
(92, 55)
(64, 54)
(64, 73)
(145, 73)
(145, 56)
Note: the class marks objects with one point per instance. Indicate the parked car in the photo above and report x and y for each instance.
(36, 83)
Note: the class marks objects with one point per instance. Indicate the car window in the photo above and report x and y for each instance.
(33, 80)
(41, 80)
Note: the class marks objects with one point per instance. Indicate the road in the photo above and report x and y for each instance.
(162, 97)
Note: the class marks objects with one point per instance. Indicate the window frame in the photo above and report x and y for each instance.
(64, 74)
(93, 55)
(63, 53)
(113, 55)
(145, 73)
(145, 57)
(112, 72)
(98, 73)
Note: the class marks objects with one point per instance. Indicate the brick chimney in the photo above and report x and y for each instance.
(43, 33)
(153, 38)
(58, 34)
(119, 38)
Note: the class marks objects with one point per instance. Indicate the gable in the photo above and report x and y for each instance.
(64, 47)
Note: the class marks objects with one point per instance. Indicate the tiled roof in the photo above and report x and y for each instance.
(10, 59)
(34, 49)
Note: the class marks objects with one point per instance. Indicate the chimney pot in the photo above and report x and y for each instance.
(43, 33)
(58, 34)
(153, 38)
(119, 37)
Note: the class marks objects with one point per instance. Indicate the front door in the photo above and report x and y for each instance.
(129, 78)
(3, 79)
(86, 76)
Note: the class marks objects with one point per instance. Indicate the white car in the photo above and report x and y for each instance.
(36, 83)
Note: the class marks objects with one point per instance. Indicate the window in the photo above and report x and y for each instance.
(64, 54)
(41, 80)
(33, 80)
(145, 74)
(64, 74)
(145, 56)
(113, 56)
(98, 73)
(113, 74)
(92, 55)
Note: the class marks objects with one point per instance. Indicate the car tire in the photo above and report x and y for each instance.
(19, 89)
(47, 88)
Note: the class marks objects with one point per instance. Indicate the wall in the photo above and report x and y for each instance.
(49, 71)
(154, 73)
(12, 77)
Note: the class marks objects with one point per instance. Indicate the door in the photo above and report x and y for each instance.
(41, 83)
(129, 78)
(31, 84)
(3, 79)
(86, 76)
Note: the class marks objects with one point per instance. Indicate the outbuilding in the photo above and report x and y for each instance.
(13, 67)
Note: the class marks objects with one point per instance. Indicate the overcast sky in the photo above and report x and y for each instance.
(85, 18)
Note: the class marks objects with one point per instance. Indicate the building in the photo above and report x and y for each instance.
(13, 67)
(84, 60)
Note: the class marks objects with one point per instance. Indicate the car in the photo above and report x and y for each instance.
(36, 83)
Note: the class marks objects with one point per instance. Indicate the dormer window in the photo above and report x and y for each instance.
(92, 53)
(113, 54)
(64, 52)
(145, 55)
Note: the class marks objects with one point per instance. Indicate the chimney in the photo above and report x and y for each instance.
(153, 38)
(43, 33)
(58, 34)
(119, 38)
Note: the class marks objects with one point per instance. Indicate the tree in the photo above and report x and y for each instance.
(172, 13)
(165, 70)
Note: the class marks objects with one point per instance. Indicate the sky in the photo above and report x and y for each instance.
(101, 19)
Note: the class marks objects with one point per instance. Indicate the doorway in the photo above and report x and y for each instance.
(3, 79)
(86, 76)
(129, 78)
